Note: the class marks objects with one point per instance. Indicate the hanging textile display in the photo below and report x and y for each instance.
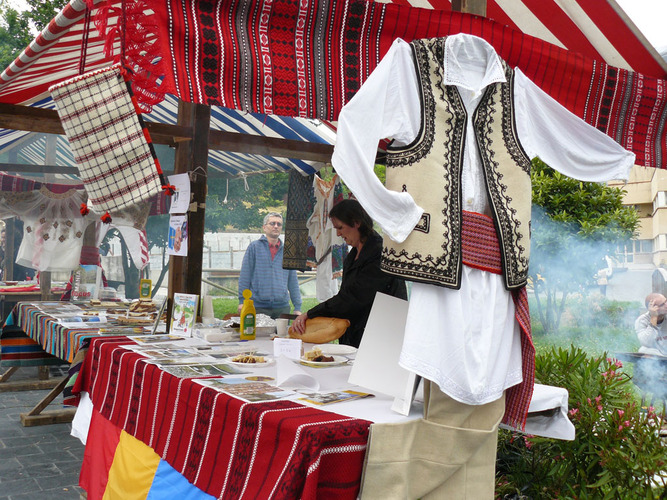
(116, 160)
(131, 224)
(299, 207)
(53, 227)
(326, 249)
(309, 58)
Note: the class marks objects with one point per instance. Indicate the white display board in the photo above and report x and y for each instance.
(376, 364)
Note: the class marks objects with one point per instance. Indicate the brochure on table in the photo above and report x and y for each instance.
(86, 282)
(184, 314)
(376, 364)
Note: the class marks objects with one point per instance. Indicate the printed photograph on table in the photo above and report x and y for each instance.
(184, 314)
(327, 398)
(156, 339)
(192, 371)
(251, 391)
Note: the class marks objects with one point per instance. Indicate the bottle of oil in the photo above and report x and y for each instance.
(248, 316)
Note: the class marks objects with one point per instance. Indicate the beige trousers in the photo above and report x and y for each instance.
(449, 454)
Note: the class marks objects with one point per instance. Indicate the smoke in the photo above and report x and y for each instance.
(596, 318)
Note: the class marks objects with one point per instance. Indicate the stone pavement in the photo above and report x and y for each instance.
(36, 462)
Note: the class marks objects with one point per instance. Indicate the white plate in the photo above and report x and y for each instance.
(248, 365)
(338, 349)
(338, 360)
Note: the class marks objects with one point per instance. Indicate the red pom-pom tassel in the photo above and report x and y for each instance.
(84, 210)
(106, 218)
(169, 189)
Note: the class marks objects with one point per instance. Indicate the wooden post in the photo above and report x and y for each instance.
(477, 7)
(191, 157)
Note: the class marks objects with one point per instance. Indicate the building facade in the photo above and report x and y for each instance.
(647, 193)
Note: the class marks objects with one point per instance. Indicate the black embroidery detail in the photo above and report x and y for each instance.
(498, 102)
(401, 156)
(424, 223)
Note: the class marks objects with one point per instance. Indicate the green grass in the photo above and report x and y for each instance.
(226, 306)
(594, 337)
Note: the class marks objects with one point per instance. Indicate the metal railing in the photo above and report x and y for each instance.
(304, 278)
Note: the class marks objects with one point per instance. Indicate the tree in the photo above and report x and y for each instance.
(241, 209)
(18, 29)
(14, 34)
(574, 226)
(41, 12)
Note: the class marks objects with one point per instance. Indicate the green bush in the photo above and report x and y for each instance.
(617, 452)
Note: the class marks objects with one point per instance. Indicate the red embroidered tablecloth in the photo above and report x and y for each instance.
(226, 447)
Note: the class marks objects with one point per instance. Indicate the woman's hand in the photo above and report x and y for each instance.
(299, 324)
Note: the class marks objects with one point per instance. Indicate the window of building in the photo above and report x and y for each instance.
(660, 201)
(661, 242)
(643, 246)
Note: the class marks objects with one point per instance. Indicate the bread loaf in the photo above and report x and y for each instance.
(321, 330)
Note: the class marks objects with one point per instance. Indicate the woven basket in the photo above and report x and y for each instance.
(116, 160)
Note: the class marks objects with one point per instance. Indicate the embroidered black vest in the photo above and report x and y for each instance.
(430, 170)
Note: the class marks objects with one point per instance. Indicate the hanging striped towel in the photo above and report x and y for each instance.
(115, 157)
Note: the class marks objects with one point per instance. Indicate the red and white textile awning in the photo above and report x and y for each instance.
(598, 29)
(266, 56)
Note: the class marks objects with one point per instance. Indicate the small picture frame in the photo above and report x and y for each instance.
(184, 314)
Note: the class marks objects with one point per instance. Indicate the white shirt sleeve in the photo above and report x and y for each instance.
(384, 107)
(564, 141)
(646, 332)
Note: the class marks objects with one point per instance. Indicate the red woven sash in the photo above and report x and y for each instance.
(480, 249)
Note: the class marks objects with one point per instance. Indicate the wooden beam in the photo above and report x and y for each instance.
(47, 121)
(477, 7)
(15, 117)
(198, 188)
(269, 146)
(21, 168)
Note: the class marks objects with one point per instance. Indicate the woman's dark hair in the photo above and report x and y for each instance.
(351, 212)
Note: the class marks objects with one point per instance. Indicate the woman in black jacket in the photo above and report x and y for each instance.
(362, 276)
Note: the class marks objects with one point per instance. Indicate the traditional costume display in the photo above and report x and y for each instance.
(329, 249)
(456, 218)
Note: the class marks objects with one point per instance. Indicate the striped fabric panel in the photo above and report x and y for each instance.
(17, 349)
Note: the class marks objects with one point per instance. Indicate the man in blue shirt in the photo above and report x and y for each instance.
(262, 272)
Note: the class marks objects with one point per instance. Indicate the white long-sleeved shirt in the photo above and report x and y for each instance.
(653, 338)
(467, 340)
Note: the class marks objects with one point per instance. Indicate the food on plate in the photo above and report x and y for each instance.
(316, 355)
(134, 321)
(321, 330)
(143, 306)
(248, 358)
